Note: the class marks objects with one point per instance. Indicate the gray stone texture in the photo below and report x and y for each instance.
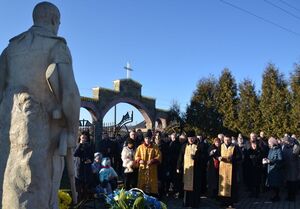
(36, 114)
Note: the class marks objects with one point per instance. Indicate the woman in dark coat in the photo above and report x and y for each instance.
(275, 174)
(83, 161)
(213, 168)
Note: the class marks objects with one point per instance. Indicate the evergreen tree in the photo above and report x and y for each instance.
(274, 104)
(174, 119)
(226, 99)
(248, 109)
(295, 101)
(201, 113)
(174, 114)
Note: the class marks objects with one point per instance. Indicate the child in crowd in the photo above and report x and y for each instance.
(108, 176)
(96, 166)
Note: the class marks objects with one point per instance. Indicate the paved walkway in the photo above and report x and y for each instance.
(245, 202)
(206, 203)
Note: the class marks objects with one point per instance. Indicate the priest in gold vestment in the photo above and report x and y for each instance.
(189, 162)
(148, 156)
(229, 155)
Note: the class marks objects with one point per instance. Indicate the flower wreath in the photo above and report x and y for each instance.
(133, 199)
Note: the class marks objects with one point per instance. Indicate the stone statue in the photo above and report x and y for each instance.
(39, 113)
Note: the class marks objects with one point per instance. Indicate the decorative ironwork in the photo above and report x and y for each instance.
(113, 129)
(127, 118)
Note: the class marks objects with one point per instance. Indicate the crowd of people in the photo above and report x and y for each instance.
(188, 166)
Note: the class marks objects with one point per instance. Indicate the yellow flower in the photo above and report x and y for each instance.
(64, 200)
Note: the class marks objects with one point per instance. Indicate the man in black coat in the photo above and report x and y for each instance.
(106, 146)
(203, 147)
(253, 158)
(173, 150)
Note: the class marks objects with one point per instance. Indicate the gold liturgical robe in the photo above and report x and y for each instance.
(147, 177)
(225, 171)
(188, 167)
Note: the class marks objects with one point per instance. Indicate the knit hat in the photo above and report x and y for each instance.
(97, 155)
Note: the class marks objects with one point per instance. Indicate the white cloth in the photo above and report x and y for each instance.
(127, 156)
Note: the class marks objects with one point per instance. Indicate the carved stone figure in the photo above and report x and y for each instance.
(39, 112)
